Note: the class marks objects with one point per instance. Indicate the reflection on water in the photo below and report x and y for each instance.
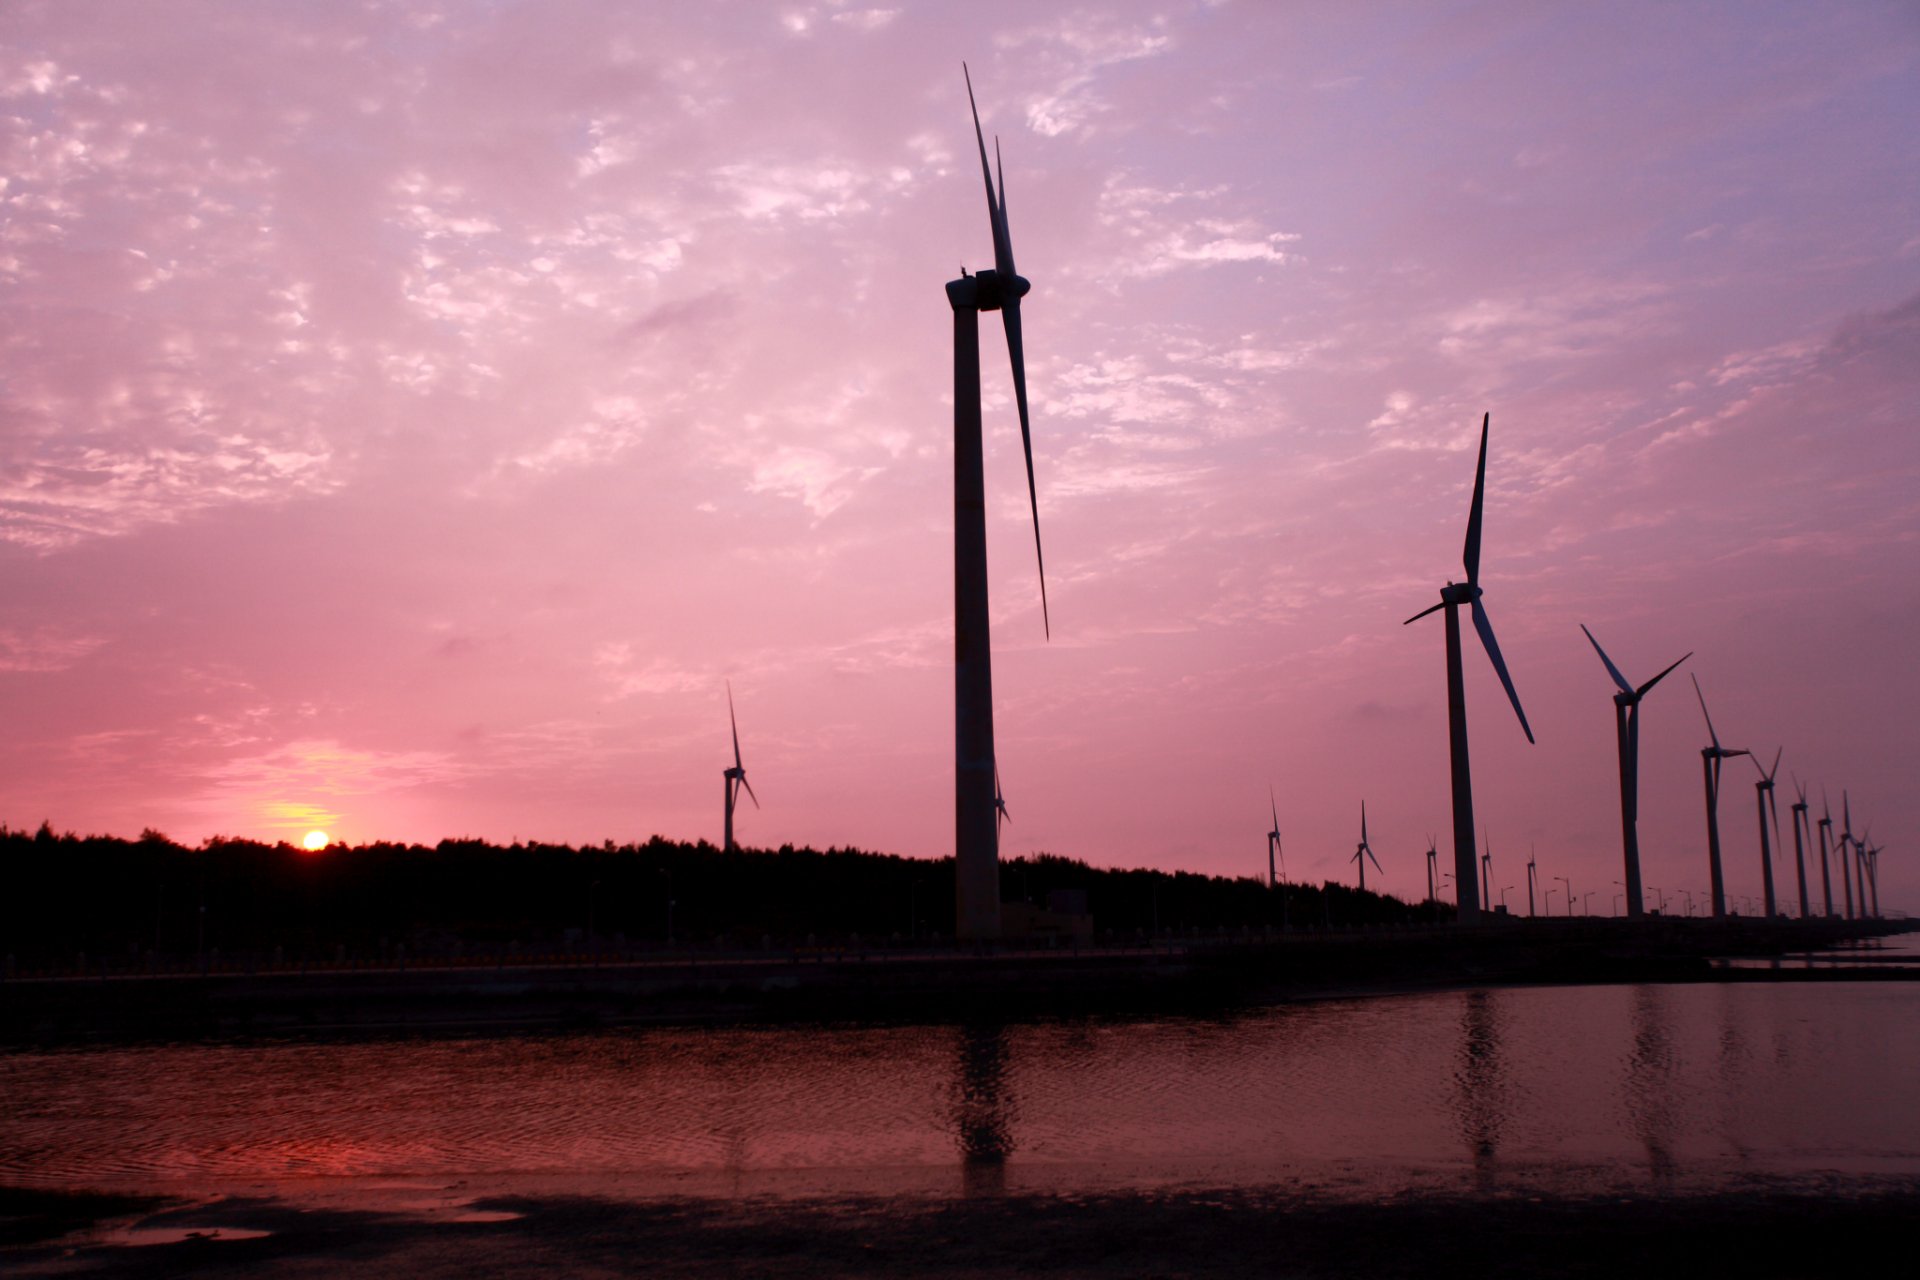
(1656, 1087)
(983, 1110)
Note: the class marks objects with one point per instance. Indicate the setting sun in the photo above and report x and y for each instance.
(316, 840)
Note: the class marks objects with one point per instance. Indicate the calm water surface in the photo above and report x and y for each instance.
(1660, 1087)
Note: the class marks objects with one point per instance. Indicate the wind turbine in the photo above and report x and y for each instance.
(736, 777)
(1000, 814)
(1710, 758)
(1798, 811)
(1846, 838)
(1826, 877)
(1530, 879)
(1626, 727)
(1273, 848)
(1000, 288)
(1433, 865)
(1763, 794)
(1873, 877)
(1486, 871)
(1452, 596)
(1361, 854)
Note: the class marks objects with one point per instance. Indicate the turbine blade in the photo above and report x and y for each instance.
(749, 787)
(1641, 692)
(1275, 805)
(1010, 316)
(1703, 711)
(1376, 863)
(1470, 555)
(735, 725)
(1485, 628)
(1002, 253)
(1363, 822)
(1776, 763)
(1424, 612)
(1006, 228)
(1611, 669)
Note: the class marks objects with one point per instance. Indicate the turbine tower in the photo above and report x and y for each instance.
(1361, 854)
(1274, 848)
(1433, 866)
(1452, 596)
(1798, 811)
(736, 777)
(1826, 877)
(1763, 793)
(1530, 881)
(1710, 758)
(1626, 728)
(976, 860)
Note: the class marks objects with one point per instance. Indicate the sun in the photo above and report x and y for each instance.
(315, 841)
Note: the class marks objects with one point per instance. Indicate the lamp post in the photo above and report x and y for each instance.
(1661, 905)
(1503, 897)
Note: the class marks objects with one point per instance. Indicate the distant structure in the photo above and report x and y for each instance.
(1626, 728)
(1826, 877)
(1763, 791)
(1798, 812)
(976, 853)
(1364, 852)
(736, 777)
(1710, 760)
(1452, 596)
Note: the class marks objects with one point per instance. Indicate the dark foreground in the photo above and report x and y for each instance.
(1757, 1234)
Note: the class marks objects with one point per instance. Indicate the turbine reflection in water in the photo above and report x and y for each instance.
(1480, 1085)
(1649, 1086)
(983, 1112)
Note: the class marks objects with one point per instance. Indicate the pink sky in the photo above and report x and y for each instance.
(412, 413)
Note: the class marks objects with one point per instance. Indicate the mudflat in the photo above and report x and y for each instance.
(1757, 1232)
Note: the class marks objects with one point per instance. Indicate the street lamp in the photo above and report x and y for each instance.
(1503, 897)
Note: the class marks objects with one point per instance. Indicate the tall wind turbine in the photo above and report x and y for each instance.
(1626, 728)
(1530, 881)
(1763, 793)
(1798, 811)
(1433, 866)
(736, 777)
(1873, 877)
(1452, 596)
(1710, 759)
(1365, 851)
(1000, 288)
(1000, 815)
(1826, 877)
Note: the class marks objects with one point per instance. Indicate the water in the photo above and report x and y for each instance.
(1656, 1087)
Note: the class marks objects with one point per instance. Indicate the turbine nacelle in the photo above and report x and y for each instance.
(992, 290)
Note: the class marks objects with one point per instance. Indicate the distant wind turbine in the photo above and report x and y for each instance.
(1798, 812)
(1000, 814)
(1486, 871)
(1846, 840)
(1763, 793)
(1274, 849)
(1710, 759)
(1000, 288)
(1826, 877)
(1361, 854)
(736, 777)
(1433, 866)
(1452, 596)
(1626, 727)
(1530, 881)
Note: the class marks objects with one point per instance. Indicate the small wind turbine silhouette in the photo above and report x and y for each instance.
(1846, 839)
(1873, 877)
(1530, 880)
(1452, 596)
(1826, 877)
(976, 861)
(1000, 815)
(1626, 726)
(1763, 792)
(1361, 854)
(1273, 837)
(1710, 758)
(1486, 871)
(1433, 865)
(1798, 812)
(736, 777)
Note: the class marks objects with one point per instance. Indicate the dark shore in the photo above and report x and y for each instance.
(1758, 1233)
(919, 985)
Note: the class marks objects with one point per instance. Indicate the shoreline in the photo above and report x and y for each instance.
(891, 986)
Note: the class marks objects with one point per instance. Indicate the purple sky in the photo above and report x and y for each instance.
(412, 413)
